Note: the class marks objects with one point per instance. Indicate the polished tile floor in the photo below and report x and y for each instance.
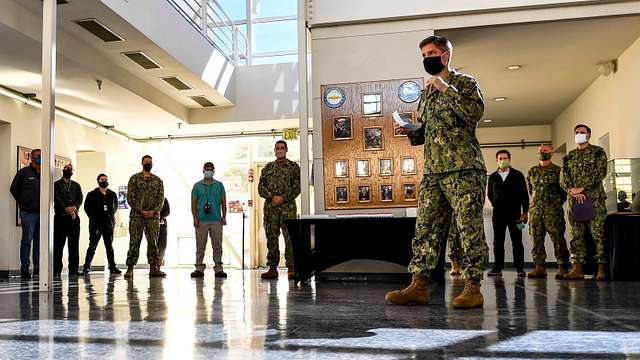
(243, 317)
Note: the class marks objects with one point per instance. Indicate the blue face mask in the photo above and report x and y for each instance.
(209, 174)
(37, 160)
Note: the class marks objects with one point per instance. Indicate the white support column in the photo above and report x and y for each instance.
(303, 106)
(48, 143)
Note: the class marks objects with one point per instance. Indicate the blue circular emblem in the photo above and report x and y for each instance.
(409, 91)
(334, 97)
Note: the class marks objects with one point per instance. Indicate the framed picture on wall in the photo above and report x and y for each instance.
(386, 167)
(342, 194)
(409, 192)
(386, 193)
(342, 128)
(408, 166)
(342, 168)
(362, 168)
(364, 194)
(372, 105)
(409, 117)
(373, 138)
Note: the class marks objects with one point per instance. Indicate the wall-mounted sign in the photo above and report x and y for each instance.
(290, 134)
(409, 91)
(334, 97)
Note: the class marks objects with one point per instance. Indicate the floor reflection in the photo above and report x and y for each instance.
(244, 317)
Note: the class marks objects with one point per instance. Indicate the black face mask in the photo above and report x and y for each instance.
(67, 173)
(433, 64)
(103, 184)
(147, 166)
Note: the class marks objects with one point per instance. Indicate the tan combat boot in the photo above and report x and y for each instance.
(562, 271)
(129, 273)
(290, 273)
(602, 272)
(415, 293)
(272, 274)
(154, 271)
(576, 273)
(471, 296)
(455, 268)
(539, 272)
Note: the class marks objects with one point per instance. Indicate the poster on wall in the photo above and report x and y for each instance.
(24, 160)
(122, 197)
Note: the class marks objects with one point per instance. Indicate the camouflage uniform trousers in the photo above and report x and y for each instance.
(542, 221)
(457, 195)
(274, 218)
(578, 230)
(151, 230)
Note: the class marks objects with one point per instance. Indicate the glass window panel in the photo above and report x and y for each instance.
(269, 8)
(275, 36)
(275, 59)
(237, 9)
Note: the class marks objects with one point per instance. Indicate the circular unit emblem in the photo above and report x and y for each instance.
(409, 91)
(334, 97)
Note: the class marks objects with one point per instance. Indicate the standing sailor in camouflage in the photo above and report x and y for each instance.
(279, 185)
(546, 214)
(454, 181)
(583, 171)
(145, 195)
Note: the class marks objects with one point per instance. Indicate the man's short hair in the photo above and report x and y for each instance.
(282, 142)
(33, 152)
(582, 126)
(101, 175)
(208, 164)
(147, 157)
(440, 42)
(503, 151)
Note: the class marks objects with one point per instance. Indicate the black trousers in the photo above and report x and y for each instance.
(96, 231)
(162, 242)
(64, 227)
(500, 225)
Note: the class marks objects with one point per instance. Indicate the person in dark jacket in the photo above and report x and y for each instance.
(66, 222)
(25, 189)
(162, 236)
(507, 192)
(101, 205)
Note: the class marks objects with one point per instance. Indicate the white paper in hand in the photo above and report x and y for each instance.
(403, 123)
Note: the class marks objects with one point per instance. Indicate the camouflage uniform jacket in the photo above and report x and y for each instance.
(544, 187)
(585, 168)
(449, 122)
(145, 193)
(281, 179)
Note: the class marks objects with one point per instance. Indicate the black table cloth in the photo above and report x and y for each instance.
(622, 231)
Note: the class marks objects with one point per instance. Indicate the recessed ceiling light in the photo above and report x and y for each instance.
(514, 67)
(487, 120)
(501, 98)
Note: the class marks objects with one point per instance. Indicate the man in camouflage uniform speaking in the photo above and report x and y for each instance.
(279, 185)
(145, 195)
(454, 178)
(583, 170)
(546, 214)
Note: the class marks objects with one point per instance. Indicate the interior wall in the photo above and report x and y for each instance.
(71, 137)
(88, 165)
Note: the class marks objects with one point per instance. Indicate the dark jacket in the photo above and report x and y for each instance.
(166, 210)
(25, 188)
(101, 209)
(65, 195)
(509, 197)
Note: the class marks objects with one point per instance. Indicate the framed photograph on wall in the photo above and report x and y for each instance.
(409, 166)
(372, 105)
(386, 193)
(342, 129)
(342, 168)
(409, 117)
(385, 167)
(364, 194)
(362, 168)
(409, 192)
(342, 194)
(373, 138)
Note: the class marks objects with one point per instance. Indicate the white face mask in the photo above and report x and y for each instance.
(581, 138)
(280, 154)
(208, 174)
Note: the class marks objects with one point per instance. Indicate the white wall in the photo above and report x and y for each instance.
(123, 159)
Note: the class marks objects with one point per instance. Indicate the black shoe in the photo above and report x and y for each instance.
(495, 272)
(86, 271)
(74, 274)
(115, 271)
(57, 276)
(25, 274)
(521, 273)
(221, 274)
(36, 273)
(197, 274)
